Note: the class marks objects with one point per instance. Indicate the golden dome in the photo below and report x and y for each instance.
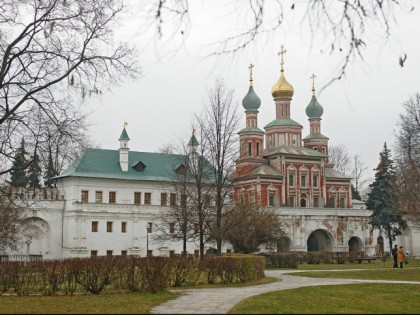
(282, 89)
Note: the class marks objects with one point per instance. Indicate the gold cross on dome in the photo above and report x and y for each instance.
(193, 131)
(250, 72)
(281, 54)
(313, 76)
(125, 124)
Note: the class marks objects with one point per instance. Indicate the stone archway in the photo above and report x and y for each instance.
(319, 241)
(283, 244)
(37, 237)
(355, 245)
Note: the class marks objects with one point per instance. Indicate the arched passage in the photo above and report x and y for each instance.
(283, 244)
(319, 241)
(355, 245)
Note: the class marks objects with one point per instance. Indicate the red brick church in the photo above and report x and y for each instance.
(277, 167)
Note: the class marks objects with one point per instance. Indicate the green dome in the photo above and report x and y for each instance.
(251, 101)
(314, 109)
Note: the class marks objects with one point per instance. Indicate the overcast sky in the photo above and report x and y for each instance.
(360, 111)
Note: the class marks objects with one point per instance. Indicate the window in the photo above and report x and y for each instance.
(137, 198)
(163, 199)
(271, 200)
(183, 200)
(147, 198)
(206, 201)
(316, 202)
(109, 252)
(171, 227)
(303, 203)
(149, 253)
(85, 196)
(94, 226)
(332, 202)
(291, 201)
(315, 181)
(172, 253)
(291, 180)
(342, 202)
(93, 253)
(249, 149)
(251, 196)
(112, 197)
(123, 227)
(98, 197)
(258, 148)
(123, 253)
(109, 226)
(303, 180)
(173, 199)
(149, 227)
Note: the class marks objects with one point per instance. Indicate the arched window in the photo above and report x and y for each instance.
(258, 149)
(249, 148)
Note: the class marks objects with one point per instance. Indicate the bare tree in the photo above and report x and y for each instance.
(256, 226)
(352, 166)
(344, 24)
(219, 123)
(407, 148)
(54, 53)
(359, 181)
(340, 158)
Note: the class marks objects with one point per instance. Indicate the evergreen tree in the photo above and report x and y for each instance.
(34, 172)
(382, 199)
(50, 173)
(18, 176)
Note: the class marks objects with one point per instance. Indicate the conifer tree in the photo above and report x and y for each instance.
(34, 172)
(50, 173)
(382, 199)
(18, 176)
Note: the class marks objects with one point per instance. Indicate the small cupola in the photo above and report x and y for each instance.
(124, 149)
(251, 102)
(314, 109)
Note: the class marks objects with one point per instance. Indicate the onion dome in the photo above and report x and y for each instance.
(251, 102)
(314, 109)
(282, 89)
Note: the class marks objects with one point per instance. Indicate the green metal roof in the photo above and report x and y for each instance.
(314, 109)
(102, 163)
(251, 129)
(315, 136)
(289, 150)
(331, 173)
(283, 122)
(124, 135)
(251, 102)
(193, 141)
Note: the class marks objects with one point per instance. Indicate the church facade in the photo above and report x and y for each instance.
(110, 202)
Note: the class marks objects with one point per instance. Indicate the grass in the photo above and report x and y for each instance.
(373, 298)
(363, 298)
(109, 303)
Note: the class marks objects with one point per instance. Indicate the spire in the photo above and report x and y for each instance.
(124, 135)
(193, 140)
(124, 149)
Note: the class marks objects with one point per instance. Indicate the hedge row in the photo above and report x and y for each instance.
(143, 274)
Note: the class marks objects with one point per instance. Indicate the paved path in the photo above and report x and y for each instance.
(221, 300)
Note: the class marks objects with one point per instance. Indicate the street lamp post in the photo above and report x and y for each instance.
(148, 226)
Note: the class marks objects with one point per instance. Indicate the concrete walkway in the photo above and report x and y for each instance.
(221, 300)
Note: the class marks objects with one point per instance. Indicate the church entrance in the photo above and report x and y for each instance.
(319, 241)
(355, 245)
